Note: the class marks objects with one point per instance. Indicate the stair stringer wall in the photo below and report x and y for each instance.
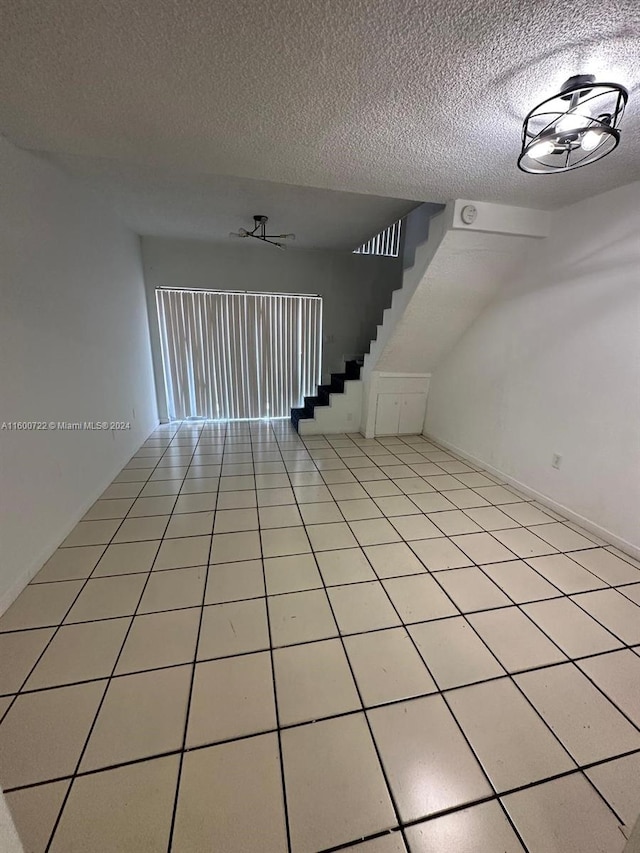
(411, 277)
(423, 253)
(464, 275)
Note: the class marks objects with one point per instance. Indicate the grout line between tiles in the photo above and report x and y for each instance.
(249, 438)
(61, 623)
(283, 785)
(546, 724)
(192, 681)
(445, 700)
(209, 744)
(100, 704)
(116, 676)
(362, 710)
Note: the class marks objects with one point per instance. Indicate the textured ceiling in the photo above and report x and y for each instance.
(401, 98)
(166, 203)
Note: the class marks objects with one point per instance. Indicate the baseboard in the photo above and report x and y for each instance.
(566, 511)
(9, 596)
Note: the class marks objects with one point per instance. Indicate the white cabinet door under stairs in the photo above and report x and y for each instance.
(400, 414)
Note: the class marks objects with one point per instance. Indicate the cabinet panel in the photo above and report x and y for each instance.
(412, 412)
(403, 384)
(388, 414)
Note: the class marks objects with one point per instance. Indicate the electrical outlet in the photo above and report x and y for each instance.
(556, 460)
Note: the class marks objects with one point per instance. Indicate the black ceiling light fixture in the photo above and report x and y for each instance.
(259, 232)
(576, 127)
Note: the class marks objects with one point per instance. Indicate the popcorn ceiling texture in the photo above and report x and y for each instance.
(413, 100)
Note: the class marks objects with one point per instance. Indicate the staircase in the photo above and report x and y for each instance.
(452, 269)
(311, 414)
(338, 407)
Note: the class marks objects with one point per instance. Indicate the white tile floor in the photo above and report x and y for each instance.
(258, 643)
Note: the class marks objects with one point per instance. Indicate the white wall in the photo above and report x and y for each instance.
(74, 346)
(464, 274)
(355, 288)
(552, 365)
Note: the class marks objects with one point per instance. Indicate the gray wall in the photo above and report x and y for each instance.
(355, 288)
(415, 230)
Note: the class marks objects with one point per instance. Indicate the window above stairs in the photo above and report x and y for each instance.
(386, 243)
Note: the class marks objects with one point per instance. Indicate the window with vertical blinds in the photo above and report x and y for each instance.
(232, 355)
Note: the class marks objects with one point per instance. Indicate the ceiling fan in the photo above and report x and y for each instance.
(259, 232)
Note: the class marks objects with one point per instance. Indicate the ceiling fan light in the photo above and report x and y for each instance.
(591, 139)
(578, 125)
(574, 120)
(541, 149)
(259, 232)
